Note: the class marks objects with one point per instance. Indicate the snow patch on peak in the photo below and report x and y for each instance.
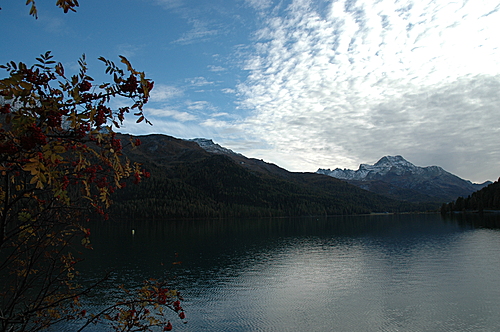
(203, 141)
(396, 165)
(432, 181)
(209, 146)
(389, 161)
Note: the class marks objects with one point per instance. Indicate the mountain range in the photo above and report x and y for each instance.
(395, 177)
(200, 179)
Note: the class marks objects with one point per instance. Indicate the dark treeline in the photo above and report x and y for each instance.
(216, 187)
(487, 198)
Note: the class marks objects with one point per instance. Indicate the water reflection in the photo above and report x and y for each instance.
(367, 273)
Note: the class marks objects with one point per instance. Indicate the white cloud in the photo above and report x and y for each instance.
(199, 32)
(229, 91)
(199, 105)
(216, 68)
(220, 114)
(165, 112)
(366, 79)
(176, 129)
(199, 81)
(128, 50)
(259, 4)
(170, 4)
(54, 24)
(215, 123)
(162, 93)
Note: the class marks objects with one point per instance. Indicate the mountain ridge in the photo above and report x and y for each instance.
(187, 181)
(398, 174)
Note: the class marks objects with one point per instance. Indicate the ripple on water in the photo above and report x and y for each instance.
(388, 274)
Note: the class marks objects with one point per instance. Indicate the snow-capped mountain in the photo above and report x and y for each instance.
(209, 146)
(395, 165)
(392, 174)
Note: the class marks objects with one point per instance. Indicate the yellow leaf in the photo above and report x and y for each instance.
(104, 197)
(59, 149)
(34, 179)
(129, 66)
(32, 167)
(42, 177)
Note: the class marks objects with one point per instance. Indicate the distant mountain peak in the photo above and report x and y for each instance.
(388, 164)
(393, 161)
(398, 172)
(209, 146)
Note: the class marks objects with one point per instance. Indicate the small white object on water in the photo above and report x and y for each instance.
(133, 231)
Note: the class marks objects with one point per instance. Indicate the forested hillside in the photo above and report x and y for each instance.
(487, 198)
(188, 182)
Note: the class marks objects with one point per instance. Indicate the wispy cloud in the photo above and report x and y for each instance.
(170, 4)
(199, 81)
(177, 129)
(54, 24)
(162, 93)
(170, 113)
(216, 68)
(259, 4)
(200, 31)
(220, 114)
(200, 105)
(229, 91)
(129, 50)
(363, 79)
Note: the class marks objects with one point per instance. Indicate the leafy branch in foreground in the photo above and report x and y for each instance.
(60, 161)
(65, 5)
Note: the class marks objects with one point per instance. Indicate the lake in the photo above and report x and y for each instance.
(361, 273)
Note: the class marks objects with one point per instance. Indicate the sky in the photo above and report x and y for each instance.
(303, 84)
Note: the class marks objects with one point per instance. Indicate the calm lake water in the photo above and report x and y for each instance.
(365, 273)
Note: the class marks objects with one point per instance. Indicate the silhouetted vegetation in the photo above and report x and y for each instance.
(487, 198)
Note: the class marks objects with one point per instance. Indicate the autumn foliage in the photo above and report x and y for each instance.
(60, 161)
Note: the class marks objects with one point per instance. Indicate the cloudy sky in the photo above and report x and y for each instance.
(304, 84)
